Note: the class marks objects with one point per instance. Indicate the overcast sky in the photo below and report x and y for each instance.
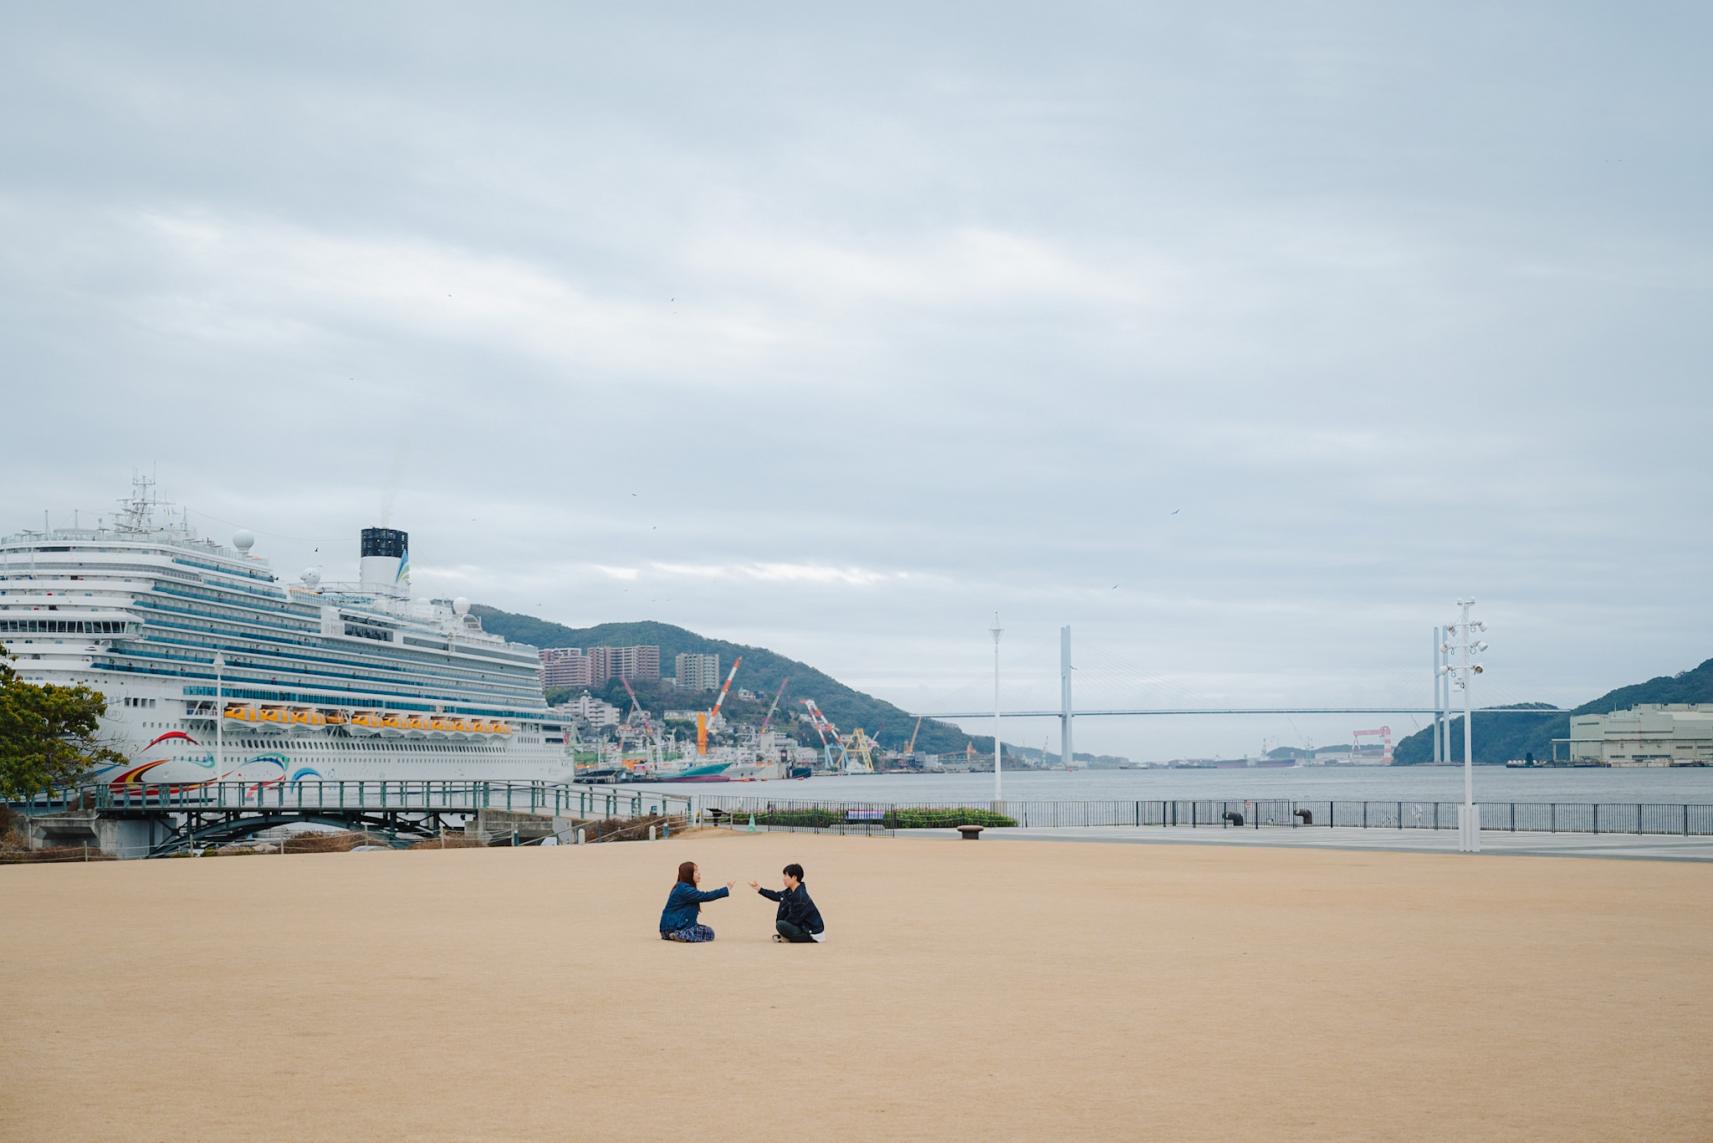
(1244, 338)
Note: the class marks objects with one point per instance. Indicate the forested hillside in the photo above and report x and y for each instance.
(762, 672)
(1502, 737)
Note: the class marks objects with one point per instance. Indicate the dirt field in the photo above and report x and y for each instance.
(986, 991)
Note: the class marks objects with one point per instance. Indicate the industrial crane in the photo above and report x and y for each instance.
(636, 706)
(830, 742)
(859, 758)
(910, 748)
(703, 721)
(779, 694)
(1384, 734)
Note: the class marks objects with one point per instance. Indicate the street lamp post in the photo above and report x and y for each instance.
(1438, 694)
(998, 791)
(219, 720)
(1461, 674)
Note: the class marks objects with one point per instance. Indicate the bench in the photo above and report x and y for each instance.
(869, 818)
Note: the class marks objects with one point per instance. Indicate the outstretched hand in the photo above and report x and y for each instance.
(755, 885)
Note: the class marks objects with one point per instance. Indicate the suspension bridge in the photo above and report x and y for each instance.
(1442, 712)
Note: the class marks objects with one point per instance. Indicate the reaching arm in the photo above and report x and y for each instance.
(722, 891)
(771, 894)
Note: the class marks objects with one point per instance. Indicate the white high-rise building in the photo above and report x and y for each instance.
(697, 672)
(565, 667)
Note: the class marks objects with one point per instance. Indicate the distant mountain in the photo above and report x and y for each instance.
(1501, 737)
(762, 672)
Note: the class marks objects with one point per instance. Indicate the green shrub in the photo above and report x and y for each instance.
(818, 817)
(896, 817)
(933, 817)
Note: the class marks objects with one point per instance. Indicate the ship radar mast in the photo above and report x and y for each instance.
(137, 512)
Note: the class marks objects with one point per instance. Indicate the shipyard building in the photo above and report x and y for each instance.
(1656, 734)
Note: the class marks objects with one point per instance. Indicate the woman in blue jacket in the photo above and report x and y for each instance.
(678, 919)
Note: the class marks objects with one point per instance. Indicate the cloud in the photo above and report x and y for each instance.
(782, 573)
(965, 266)
(837, 331)
(261, 282)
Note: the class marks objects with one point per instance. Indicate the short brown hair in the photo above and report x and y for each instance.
(687, 873)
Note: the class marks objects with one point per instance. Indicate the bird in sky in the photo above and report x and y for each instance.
(1175, 511)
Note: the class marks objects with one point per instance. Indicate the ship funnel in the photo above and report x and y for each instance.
(385, 563)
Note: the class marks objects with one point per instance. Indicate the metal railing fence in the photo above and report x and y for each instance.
(451, 796)
(1253, 813)
(586, 801)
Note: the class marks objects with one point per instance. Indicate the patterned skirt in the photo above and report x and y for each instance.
(694, 935)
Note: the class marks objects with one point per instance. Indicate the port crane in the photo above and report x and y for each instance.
(703, 721)
(779, 694)
(636, 707)
(1384, 734)
(831, 744)
(859, 755)
(767, 721)
(910, 747)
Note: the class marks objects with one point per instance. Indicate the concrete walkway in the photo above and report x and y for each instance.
(1663, 847)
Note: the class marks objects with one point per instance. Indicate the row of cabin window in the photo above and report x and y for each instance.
(63, 626)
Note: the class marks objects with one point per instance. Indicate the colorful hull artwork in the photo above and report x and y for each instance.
(257, 772)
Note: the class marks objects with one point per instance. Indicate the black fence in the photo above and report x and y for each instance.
(1516, 817)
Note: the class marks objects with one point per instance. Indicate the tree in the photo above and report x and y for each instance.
(47, 734)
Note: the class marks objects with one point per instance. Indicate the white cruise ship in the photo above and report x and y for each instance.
(216, 671)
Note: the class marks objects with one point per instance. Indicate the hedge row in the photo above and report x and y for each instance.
(896, 817)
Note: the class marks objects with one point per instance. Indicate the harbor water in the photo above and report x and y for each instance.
(1685, 785)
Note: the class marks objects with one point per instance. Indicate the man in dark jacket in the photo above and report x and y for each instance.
(798, 921)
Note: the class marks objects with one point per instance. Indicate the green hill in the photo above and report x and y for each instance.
(1501, 737)
(762, 672)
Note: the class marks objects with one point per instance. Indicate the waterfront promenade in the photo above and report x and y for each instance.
(1653, 847)
(989, 991)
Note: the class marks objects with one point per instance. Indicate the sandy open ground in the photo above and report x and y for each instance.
(1024, 991)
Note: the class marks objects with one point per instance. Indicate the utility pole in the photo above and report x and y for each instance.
(998, 788)
(219, 721)
(1461, 674)
(1067, 752)
(1438, 694)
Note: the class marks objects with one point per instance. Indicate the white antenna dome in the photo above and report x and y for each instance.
(243, 540)
(311, 577)
(461, 606)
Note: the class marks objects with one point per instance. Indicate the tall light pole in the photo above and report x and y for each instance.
(998, 791)
(1461, 675)
(219, 720)
(1439, 695)
(1067, 749)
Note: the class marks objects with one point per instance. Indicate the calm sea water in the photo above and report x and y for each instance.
(1312, 783)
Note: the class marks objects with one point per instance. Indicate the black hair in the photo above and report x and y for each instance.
(793, 870)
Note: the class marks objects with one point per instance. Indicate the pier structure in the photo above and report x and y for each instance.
(157, 821)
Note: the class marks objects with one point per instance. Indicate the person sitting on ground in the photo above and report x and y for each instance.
(684, 903)
(798, 921)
